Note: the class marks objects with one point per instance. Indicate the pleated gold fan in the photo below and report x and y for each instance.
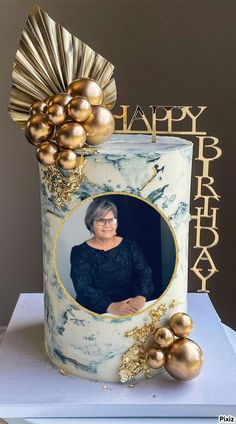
(48, 59)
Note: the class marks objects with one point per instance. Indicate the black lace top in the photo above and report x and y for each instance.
(102, 277)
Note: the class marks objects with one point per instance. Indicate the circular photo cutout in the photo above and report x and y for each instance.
(116, 254)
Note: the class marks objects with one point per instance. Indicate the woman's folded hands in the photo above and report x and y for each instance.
(127, 306)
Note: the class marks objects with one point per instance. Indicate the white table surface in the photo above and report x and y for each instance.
(33, 390)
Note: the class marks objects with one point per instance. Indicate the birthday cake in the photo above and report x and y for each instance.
(152, 199)
(115, 218)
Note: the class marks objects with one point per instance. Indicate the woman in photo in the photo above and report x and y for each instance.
(109, 273)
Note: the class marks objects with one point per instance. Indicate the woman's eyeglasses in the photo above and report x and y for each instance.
(101, 222)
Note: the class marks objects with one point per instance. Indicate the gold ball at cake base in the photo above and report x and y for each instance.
(155, 357)
(39, 129)
(47, 153)
(88, 88)
(71, 135)
(181, 324)
(60, 99)
(184, 360)
(79, 109)
(164, 337)
(99, 126)
(38, 107)
(56, 114)
(67, 159)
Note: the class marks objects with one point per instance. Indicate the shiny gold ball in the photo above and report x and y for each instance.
(60, 99)
(38, 107)
(181, 324)
(30, 140)
(155, 357)
(39, 129)
(47, 100)
(71, 135)
(88, 88)
(67, 159)
(164, 337)
(56, 114)
(79, 109)
(184, 360)
(99, 126)
(47, 153)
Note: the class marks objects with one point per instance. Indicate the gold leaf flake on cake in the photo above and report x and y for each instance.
(48, 59)
(63, 371)
(133, 362)
(61, 187)
(140, 334)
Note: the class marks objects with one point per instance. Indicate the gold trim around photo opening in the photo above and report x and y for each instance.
(61, 282)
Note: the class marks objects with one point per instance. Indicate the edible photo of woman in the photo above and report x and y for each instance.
(115, 254)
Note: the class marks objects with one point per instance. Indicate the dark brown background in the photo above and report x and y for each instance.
(166, 52)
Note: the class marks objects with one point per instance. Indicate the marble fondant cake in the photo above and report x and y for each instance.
(150, 184)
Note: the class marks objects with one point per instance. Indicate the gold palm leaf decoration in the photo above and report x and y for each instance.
(48, 59)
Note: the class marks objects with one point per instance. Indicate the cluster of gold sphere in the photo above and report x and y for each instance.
(181, 357)
(63, 123)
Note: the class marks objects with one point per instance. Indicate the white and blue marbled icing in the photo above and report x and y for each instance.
(76, 340)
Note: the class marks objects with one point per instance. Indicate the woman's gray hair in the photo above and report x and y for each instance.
(96, 210)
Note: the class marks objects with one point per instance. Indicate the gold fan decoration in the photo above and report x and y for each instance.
(62, 93)
(48, 59)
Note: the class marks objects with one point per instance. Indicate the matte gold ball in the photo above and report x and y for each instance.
(56, 114)
(184, 360)
(71, 135)
(38, 107)
(67, 159)
(155, 357)
(87, 87)
(181, 324)
(164, 337)
(99, 126)
(79, 109)
(47, 153)
(60, 99)
(38, 128)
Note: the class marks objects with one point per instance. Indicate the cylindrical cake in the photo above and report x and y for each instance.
(154, 180)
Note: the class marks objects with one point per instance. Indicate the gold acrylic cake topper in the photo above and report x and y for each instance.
(182, 121)
(166, 115)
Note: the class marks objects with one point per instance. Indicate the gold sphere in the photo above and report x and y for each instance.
(184, 360)
(56, 114)
(71, 135)
(87, 87)
(60, 99)
(38, 128)
(67, 159)
(30, 140)
(181, 324)
(99, 126)
(47, 153)
(155, 357)
(38, 107)
(79, 109)
(47, 100)
(164, 337)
